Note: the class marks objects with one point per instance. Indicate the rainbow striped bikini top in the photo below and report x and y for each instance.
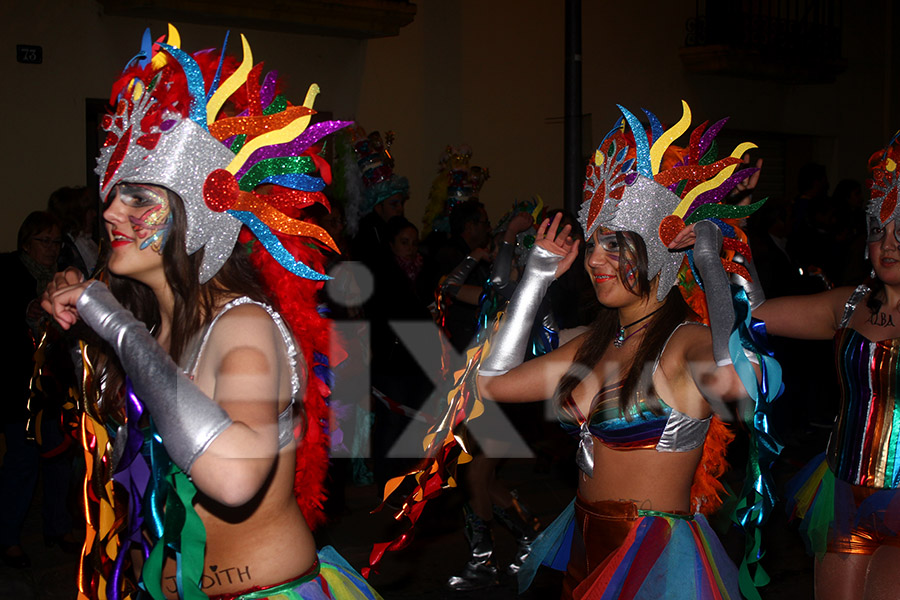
(669, 431)
(864, 448)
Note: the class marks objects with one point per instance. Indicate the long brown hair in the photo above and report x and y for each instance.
(876, 289)
(637, 381)
(195, 304)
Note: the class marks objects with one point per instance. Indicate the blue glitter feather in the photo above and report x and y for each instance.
(641, 145)
(614, 129)
(296, 181)
(215, 82)
(726, 229)
(143, 57)
(656, 127)
(194, 83)
(275, 248)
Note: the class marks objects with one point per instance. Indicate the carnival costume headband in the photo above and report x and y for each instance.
(457, 181)
(167, 130)
(885, 183)
(629, 188)
(376, 166)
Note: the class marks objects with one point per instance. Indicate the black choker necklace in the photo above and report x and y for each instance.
(619, 341)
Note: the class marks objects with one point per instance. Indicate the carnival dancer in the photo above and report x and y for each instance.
(199, 145)
(848, 496)
(488, 495)
(638, 389)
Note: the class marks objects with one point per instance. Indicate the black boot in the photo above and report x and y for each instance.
(523, 525)
(480, 572)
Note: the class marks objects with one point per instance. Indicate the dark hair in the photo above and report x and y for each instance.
(195, 304)
(844, 190)
(809, 174)
(33, 224)
(397, 224)
(70, 205)
(604, 328)
(876, 289)
(464, 212)
(568, 219)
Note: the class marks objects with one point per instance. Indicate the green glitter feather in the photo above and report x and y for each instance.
(275, 166)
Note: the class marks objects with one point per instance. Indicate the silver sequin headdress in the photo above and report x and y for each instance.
(169, 129)
(639, 181)
(885, 183)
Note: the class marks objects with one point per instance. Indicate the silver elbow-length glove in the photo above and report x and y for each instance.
(707, 249)
(752, 288)
(511, 341)
(186, 418)
(501, 270)
(457, 277)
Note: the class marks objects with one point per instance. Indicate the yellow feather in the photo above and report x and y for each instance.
(714, 182)
(665, 140)
(237, 79)
(173, 38)
(280, 136)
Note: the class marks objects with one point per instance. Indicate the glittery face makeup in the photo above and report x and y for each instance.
(628, 261)
(138, 219)
(619, 249)
(608, 242)
(153, 223)
(610, 261)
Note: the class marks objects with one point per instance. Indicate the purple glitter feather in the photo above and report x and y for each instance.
(310, 136)
(708, 137)
(267, 93)
(716, 195)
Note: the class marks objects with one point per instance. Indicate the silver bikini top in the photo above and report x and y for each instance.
(285, 418)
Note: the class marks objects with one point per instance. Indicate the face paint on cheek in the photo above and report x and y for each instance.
(629, 251)
(631, 274)
(154, 225)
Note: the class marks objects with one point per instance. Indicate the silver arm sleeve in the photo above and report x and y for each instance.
(511, 341)
(187, 419)
(548, 319)
(707, 249)
(754, 289)
(457, 277)
(502, 267)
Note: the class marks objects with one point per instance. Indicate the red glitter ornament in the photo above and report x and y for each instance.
(737, 269)
(117, 157)
(220, 190)
(669, 228)
(887, 207)
(597, 203)
(148, 141)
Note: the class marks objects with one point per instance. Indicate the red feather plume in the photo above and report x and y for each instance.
(296, 300)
